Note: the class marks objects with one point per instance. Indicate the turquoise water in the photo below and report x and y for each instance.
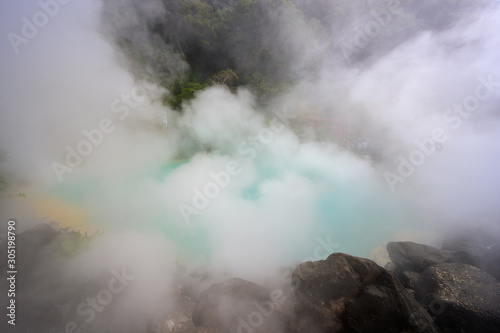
(354, 217)
(191, 242)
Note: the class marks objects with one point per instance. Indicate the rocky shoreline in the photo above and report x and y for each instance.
(423, 289)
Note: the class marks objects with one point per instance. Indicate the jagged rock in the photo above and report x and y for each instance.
(408, 279)
(32, 243)
(390, 266)
(40, 234)
(468, 298)
(480, 250)
(492, 261)
(350, 294)
(409, 256)
(469, 251)
(197, 330)
(239, 306)
(307, 324)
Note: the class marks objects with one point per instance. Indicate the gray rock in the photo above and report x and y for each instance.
(467, 251)
(409, 279)
(390, 266)
(350, 294)
(239, 306)
(492, 261)
(467, 298)
(409, 256)
(482, 251)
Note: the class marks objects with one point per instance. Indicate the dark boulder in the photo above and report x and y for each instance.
(475, 251)
(38, 235)
(462, 298)
(239, 306)
(350, 294)
(492, 261)
(408, 279)
(467, 250)
(197, 330)
(409, 256)
(479, 249)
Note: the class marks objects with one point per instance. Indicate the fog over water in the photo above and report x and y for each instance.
(235, 185)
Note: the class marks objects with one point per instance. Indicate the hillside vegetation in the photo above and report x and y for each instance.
(265, 45)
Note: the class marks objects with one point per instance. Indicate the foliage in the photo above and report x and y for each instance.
(4, 184)
(217, 39)
(202, 19)
(264, 88)
(183, 90)
(258, 39)
(73, 243)
(17, 194)
(226, 77)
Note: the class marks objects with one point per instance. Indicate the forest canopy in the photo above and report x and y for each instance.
(185, 44)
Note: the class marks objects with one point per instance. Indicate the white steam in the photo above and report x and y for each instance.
(231, 186)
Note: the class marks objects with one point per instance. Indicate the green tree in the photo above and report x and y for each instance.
(183, 90)
(226, 77)
(254, 38)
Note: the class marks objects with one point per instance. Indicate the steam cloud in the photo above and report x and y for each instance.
(429, 97)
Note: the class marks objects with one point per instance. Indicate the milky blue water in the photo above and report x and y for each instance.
(355, 219)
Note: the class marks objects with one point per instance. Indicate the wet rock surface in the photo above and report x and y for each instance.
(483, 253)
(457, 284)
(409, 256)
(237, 305)
(492, 261)
(465, 298)
(350, 294)
(427, 289)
